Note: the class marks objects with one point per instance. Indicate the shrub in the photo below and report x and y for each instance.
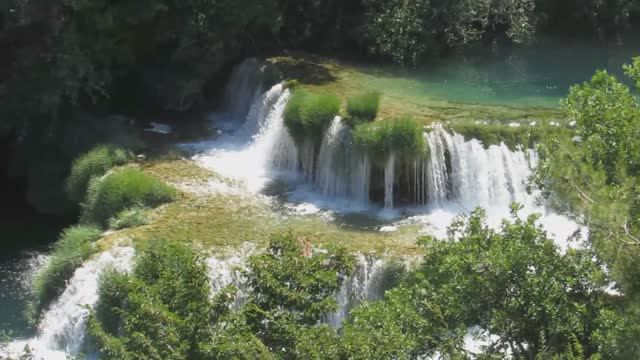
(73, 247)
(113, 289)
(308, 114)
(130, 218)
(120, 190)
(363, 107)
(403, 137)
(163, 310)
(90, 165)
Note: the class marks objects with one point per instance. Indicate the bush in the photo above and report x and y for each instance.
(90, 165)
(73, 247)
(113, 289)
(403, 137)
(120, 190)
(363, 107)
(130, 218)
(308, 114)
(163, 310)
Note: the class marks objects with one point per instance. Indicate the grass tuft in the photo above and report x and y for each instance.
(93, 164)
(404, 137)
(363, 107)
(120, 190)
(73, 247)
(308, 114)
(130, 218)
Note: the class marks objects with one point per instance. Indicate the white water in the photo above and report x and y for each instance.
(62, 329)
(454, 177)
(342, 172)
(254, 159)
(365, 284)
(389, 179)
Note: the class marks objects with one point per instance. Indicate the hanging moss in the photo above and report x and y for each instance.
(404, 137)
(363, 107)
(308, 114)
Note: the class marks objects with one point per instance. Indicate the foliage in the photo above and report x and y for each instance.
(594, 178)
(74, 246)
(164, 309)
(94, 163)
(363, 107)
(406, 31)
(515, 284)
(292, 289)
(389, 329)
(130, 218)
(308, 114)
(403, 137)
(120, 190)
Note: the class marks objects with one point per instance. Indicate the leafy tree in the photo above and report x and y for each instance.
(594, 178)
(292, 289)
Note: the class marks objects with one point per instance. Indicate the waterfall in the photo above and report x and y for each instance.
(475, 175)
(389, 178)
(253, 158)
(342, 172)
(437, 179)
(365, 284)
(243, 88)
(62, 329)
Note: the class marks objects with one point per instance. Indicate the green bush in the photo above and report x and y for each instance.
(363, 107)
(308, 114)
(122, 189)
(93, 164)
(163, 310)
(403, 137)
(130, 218)
(73, 247)
(113, 289)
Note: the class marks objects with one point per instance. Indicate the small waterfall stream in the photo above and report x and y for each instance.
(62, 329)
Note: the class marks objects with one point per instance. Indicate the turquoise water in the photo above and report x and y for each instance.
(527, 77)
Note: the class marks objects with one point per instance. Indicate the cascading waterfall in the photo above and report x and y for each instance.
(389, 179)
(254, 158)
(244, 87)
(365, 284)
(62, 329)
(435, 174)
(474, 175)
(454, 171)
(342, 171)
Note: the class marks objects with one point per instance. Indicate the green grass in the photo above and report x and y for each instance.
(73, 247)
(363, 107)
(93, 164)
(123, 189)
(404, 137)
(308, 114)
(129, 218)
